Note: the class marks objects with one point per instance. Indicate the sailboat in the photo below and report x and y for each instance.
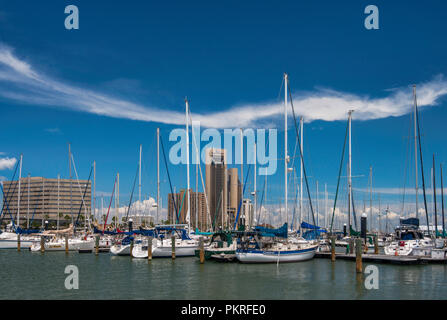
(272, 245)
(409, 240)
(185, 246)
(9, 237)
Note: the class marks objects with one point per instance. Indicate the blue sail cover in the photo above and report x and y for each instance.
(144, 232)
(266, 232)
(113, 233)
(26, 231)
(313, 233)
(183, 233)
(306, 225)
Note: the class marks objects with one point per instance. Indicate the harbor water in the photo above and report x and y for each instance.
(27, 275)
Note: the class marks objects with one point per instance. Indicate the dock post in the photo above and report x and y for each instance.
(42, 244)
(202, 251)
(131, 248)
(333, 248)
(351, 246)
(376, 244)
(358, 255)
(149, 248)
(66, 243)
(173, 246)
(18, 242)
(97, 244)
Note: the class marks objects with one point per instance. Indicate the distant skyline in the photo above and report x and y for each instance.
(106, 87)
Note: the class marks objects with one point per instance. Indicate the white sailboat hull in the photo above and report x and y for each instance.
(120, 250)
(12, 244)
(163, 249)
(281, 256)
(59, 245)
(8, 240)
(166, 252)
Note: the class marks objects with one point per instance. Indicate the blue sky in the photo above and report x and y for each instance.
(107, 86)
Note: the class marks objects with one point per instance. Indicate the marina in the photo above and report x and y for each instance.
(223, 151)
(112, 277)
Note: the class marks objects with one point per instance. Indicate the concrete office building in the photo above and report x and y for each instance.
(216, 185)
(247, 214)
(197, 209)
(45, 198)
(223, 189)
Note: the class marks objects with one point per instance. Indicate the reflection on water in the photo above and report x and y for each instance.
(26, 275)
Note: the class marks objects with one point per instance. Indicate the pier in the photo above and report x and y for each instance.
(381, 258)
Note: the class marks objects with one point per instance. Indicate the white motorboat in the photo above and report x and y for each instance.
(105, 243)
(120, 249)
(163, 248)
(278, 253)
(409, 241)
(54, 243)
(87, 245)
(8, 240)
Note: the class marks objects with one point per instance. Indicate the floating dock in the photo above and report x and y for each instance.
(381, 258)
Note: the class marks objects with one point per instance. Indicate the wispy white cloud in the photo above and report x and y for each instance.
(53, 130)
(25, 84)
(7, 163)
(400, 191)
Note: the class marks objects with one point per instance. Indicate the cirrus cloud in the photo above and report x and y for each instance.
(21, 82)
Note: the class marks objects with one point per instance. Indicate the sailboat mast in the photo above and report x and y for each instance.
(301, 170)
(158, 175)
(434, 197)
(254, 191)
(18, 196)
(27, 214)
(94, 190)
(58, 181)
(187, 166)
(442, 205)
(286, 80)
(325, 205)
(71, 183)
(197, 190)
(139, 177)
(415, 149)
(370, 195)
(318, 204)
(117, 200)
(242, 165)
(349, 173)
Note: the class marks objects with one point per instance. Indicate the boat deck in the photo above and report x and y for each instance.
(381, 258)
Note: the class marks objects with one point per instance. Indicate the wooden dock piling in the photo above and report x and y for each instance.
(18, 242)
(173, 246)
(66, 243)
(376, 244)
(149, 248)
(333, 248)
(351, 246)
(358, 255)
(131, 248)
(96, 244)
(42, 244)
(202, 250)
